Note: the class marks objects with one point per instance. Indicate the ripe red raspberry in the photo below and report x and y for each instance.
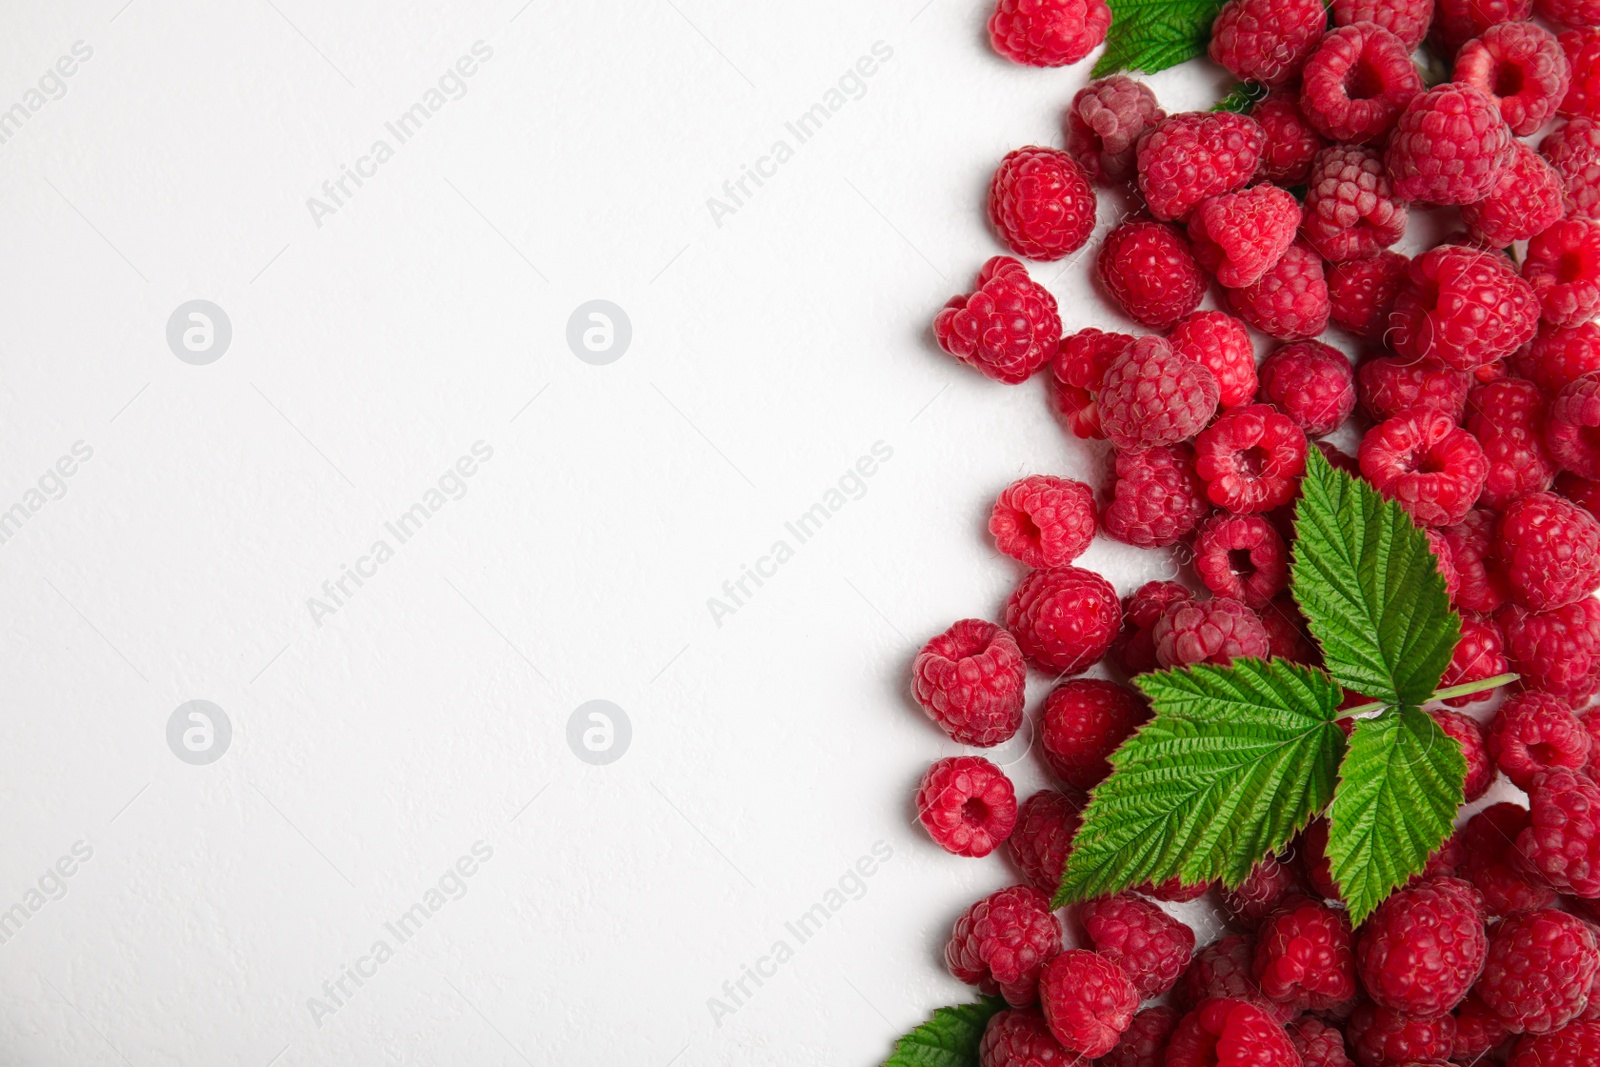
(1269, 886)
(1362, 292)
(970, 681)
(1319, 1044)
(1250, 459)
(1291, 142)
(1223, 969)
(1466, 730)
(967, 805)
(1230, 1033)
(1489, 840)
(1539, 970)
(1406, 19)
(1195, 154)
(1448, 146)
(1525, 199)
(1350, 210)
(1556, 358)
(1556, 651)
(1241, 556)
(1221, 344)
(1425, 461)
(1388, 385)
(1064, 618)
(1239, 236)
(1478, 1030)
(1149, 271)
(1042, 839)
(1048, 33)
(1483, 586)
(1104, 123)
(1574, 1045)
(1462, 306)
(1581, 491)
(1266, 42)
(1422, 949)
(1443, 561)
(1144, 1043)
(1001, 944)
(1041, 203)
(1455, 22)
(1508, 419)
(1150, 946)
(1561, 845)
(1088, 1002)
(1581, 49)
(1573, 149)
(1311, 848)
(1479, 655)
(1572, 428)
(1135, 650)
(1563, 266)
(1043, 521)
(1384, 1038)
(1304, 957)
(1020, 1039)
(1519, 66)
(1312, 383)
(1157, 499)
(1077, 372)
(1290, 302)
(1083, 722)
(1007, 329)
(1288, 635)
(1209, 631)
(1551, 549)
(1154, 396)
(1357, 83)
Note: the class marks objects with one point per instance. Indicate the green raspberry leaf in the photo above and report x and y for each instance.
(1399, 789)
(1242, 98)
(948, 1039)
(1235, 761)
(1152, 35)
(1370, 587)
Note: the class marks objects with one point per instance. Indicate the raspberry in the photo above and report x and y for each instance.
(1230, 1033)
(1043, 521)
(1312, 849)
(1144, 1043)
(1388, 385)
(1556, 358)
(1064, 618)
(1153, 396)
(1556, 651)
(1104, 123)
(1508, 419)
(1242, 556)
(1250, 458)
(1077, 372)
(1290, 302)
(1083, 722)
(1425, 461)
(1539, 969)
(1561, 845)
(1563, 266)
(1150, 946)
(1269, 886)
(967, 805)
(1478, 1030)
(1339, 461)
(1573, 149)
(1581, 49)
(1007, 329)
(1443, 561)
(1265, 41)
(1362, 292)
(1135, 650)
(1239, 236)
(1356, 84)
(1551, 549)
(1041, 841)
(1525, 200)
(1519, 66)
(1001, 944)
(1149, 271)
(1423, 947)
(1088, 1002)
(1220, 343)
(1350, 210)
(1488, 839)
(1384, 1038)
(1041, 203)
(970, 681)
(1287, 631)
(1581, 491)
(1536, 732)
(1462, 306)
(1173, 891)
(1190, 156)
(1480, 654)
(1304, 957)
(1209, 631)
(1575, 1045)
(1572, 429)
(1483, 588)
(1156, 497)
(1223, 969)
(1455, 22)
(1319, 1044)
(1406, 19)
(1291, 141)
(1448, 147)
(1312, 383)
(1020, 1039)
(1467, 731)
(1048, 33)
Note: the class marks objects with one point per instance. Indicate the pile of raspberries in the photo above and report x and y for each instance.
(1476, 402)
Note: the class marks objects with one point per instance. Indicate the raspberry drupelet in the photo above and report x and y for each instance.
(970, 681)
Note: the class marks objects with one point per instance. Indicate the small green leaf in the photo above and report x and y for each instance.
(948, 1039)
(1399, 789)
(1152, 35)
(1241, 98)
(1370, 587)
(1234, 762)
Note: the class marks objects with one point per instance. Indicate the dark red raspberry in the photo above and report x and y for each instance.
(1556, 651)
(1149, 945)
(1149, 271)
(1002, 943)
(1574, 1045)
(1020, 1039)
(1266, 42)
(1423, 460)
(1288, 636)
(1250, 459)
(1157, 498)
(1384, 1038)
(1041, 841)
(1406, 19)
(970, 681)
(1104, 123)
(1563, 266)
(1243, 557)
(1539, 970)
(1362, 292)
(1338, 460)
(1508, 419)
(1551, 549)
(1519, 66)
(1209, 631)
(1526, 199)
(1479, 655)
(1319, 1044)
(1311, 847)
(1144, 1043)
(1083, 722)
(1478, 1030)
(1489, 839)
(1561, 846)
(1239, 236)
(1153, 396)
(1448, 147)
(1230, 1033)
(1223, 969)
(1077, 372)
(1357, 83)
(1064, 618)
(1483, 587)
(1269, 886)
(1312, 383)
(1220, 343)
(1043, 521)
(1048, 33)
(1291, 141)
(1088, 1001)
(1135, 650)
(1572, 429)
(1041, 202)
(1007, 329)
(1536, 732)
(1573, 149)
(1462, 306)
(1350, 210)
(1290, 302)
(967, 805)
(1388, 385)
(1581, 491)
(1304, 957)
(1581, 49)
(1190, 156)
(1556, 358)
(1422, 949)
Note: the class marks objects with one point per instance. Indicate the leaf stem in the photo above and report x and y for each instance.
(1466, 689)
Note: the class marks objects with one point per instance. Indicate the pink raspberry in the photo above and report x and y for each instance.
(1304, 957)
(1239, 236)
(1462, 306)
(1144, 1043)
(1356, 84)
(967, 805)
(1478, 1031)
(1042, 839)
(1572, 428)
(1083, 722)
(1216, 631)
(1573, 149)
(1019, 1039)
(1043, 521)
(970, 681)
(1190, 156)
(1561, 845)
(1312, 383)
(1266, 42)
(1088, 1001)
(1064, 618)
(1581, 49)
(1388, 385)
(1556, 358)
(1230, 1033)
(1269, 886)
(1221, 344)
(1350, 210)
(1007, 329)
(1425, 461)
(1290, 302)
(1525, 200)
(1519, 66)
(1157, 499)
(1489, 840)
(1555, 651)
(1581, 491)
(1455, 22)
(1448, 147)
(1242, 556)
(1291, 142)
(1149, 271)
(1483, 586)
(1563, 266)
(1154, 396)
(1135, 650)
(1104, 123)
(1384, 1038)
(1002, 943)
(1423, 947)
(1048, 33)
(1224, 969)
(1041, 203)
(1551, 548)
(1508, 419)
(1479, 655)
(1319, 1044)
(1362, 292)
(1149, 945)
(1250, 459)
(1539, 970)
(1406, 19)
(1078, 371)
(1574, 1045)
(1288, 636)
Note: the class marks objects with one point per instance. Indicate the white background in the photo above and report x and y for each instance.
(426, 314)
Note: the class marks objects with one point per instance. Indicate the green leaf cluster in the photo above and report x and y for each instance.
(948, 1039)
